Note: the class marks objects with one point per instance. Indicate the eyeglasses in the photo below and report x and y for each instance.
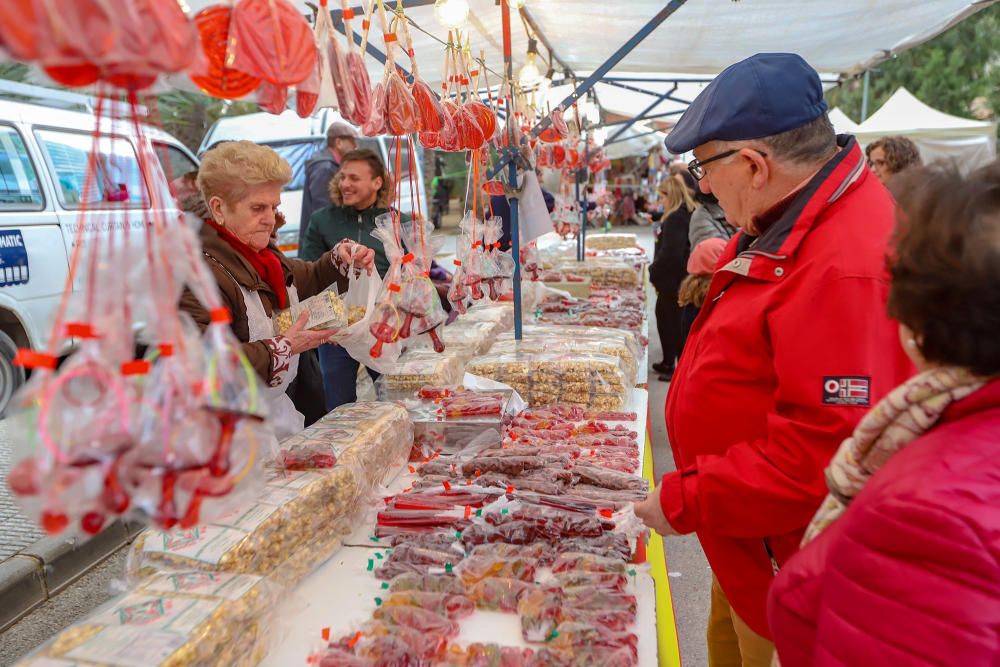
(697, 167)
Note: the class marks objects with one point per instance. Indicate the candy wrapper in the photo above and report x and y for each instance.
(611, 241)
(429, 583)
(486, 655)
(326, 310)
(498, 266)
(418, 368)
(467, 280)
(174, 618)
(452, 606)
(609, 272)
(474, 569)
(274, 536)
(592, 380)
(497, 594)
(540, 611)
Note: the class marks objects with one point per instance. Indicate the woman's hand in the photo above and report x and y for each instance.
(302, 339)
(347, 253)
(651, 513)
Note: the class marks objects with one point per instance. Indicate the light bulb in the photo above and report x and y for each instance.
(529, 74)
(600, 136)
(451, 13)
(518, 4)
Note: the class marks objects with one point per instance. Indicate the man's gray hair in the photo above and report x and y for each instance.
(807, 144)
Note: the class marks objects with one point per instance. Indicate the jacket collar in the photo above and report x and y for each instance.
(841, 174)
(985, 398)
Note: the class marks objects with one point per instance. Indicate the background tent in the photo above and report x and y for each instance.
(938, 135)
(842, 123)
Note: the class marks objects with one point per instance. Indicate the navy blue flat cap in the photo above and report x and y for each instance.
(763, 95)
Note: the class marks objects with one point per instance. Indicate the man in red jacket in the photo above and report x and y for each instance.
(793, 344)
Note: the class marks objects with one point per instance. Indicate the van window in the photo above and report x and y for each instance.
(117, 181)
(19, 189)
(174, 161)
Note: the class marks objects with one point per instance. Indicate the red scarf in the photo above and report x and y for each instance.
(264, 262)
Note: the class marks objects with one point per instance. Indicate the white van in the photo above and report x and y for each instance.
(44, 150)
(297, 139)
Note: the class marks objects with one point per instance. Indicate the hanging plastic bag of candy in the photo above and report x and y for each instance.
(154, 38)
(356, 72)
(363, 290)
(483, 115)
(399, 108)
(272, 98)
(498, 265)
(430, 116)
(327, 94)
(387, 318)
(218, 79)
(272, 40)
(557, 130)
(419, 301)
(466, 284)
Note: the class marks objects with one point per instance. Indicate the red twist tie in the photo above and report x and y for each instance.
(353, 641)
(365, 24)
(412, 470)
(510, 488)
(221, 315)
(135, 367)
(26, 358)
(166, 349)
(446, 485)
(81, 330)
(458, 262)
(393, 287)
(606, 513)
(408, 257)
(389, 37)
(410, 52)
(325, 634)
(347, 14)
(468, 511)
(474, 72)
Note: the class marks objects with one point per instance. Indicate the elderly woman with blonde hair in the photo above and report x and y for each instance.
(241, 184)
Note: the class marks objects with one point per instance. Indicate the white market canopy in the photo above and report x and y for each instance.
(842, 123)
(937, 134)
(701, 37)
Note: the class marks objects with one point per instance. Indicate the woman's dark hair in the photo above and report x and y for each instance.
(945, 265)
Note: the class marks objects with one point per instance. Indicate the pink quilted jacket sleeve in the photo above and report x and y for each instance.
(911, 579)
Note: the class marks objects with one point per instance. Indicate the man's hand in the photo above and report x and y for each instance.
(651, 513)
(302, 339)
(354, 254)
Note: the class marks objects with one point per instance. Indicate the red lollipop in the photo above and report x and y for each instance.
(430, 113)
(484, 117)
(219, 81)
(273, 41)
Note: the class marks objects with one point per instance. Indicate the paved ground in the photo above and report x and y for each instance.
(689, 574)
(17, 532)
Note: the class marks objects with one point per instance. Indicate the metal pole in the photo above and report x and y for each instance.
(655, 103)
(511, 157)
(581, 238)
(864, 95)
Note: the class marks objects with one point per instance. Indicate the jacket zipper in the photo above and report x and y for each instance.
(775, 568)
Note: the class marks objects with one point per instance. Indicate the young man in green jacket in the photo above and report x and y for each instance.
(360, 193)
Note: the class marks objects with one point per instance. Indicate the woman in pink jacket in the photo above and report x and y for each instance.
(901, 565)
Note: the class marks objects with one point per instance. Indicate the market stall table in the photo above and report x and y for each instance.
(342, 593)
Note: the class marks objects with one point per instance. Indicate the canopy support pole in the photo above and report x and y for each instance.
(510, 159)
(675, 112)
(634, 136)
(655, 103)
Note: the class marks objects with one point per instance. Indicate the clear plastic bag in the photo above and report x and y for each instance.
(179, 617)
(272, 40)
(218, 79)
